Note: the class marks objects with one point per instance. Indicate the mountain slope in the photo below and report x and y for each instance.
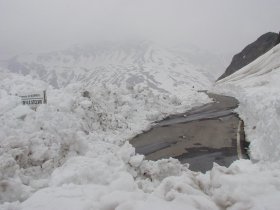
(126, 64)
(254, 50)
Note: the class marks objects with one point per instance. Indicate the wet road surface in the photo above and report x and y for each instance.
(201, 136)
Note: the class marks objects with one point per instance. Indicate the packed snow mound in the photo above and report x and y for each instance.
(79, 136)
(120, 64)
(257, 88)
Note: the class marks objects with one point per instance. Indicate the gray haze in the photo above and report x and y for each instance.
(215, 25)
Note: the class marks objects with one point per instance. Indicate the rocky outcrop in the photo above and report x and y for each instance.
(252, 52)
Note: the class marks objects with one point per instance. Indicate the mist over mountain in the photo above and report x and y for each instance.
(122, 64)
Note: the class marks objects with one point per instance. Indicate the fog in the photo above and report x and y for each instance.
(221, 26)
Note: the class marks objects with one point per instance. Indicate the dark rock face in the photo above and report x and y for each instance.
(252, 52)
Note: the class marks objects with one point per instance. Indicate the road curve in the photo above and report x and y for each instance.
(201, 136)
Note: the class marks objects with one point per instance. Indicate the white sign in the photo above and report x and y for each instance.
(34, 99)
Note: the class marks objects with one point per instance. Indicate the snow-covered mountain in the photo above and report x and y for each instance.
(121, 64)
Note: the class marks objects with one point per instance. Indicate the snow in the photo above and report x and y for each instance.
(73, 153)
(244, 185)
(80, 139)
(121, 64)
(257, 86)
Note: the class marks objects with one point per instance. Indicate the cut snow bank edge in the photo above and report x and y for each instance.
(257, 88)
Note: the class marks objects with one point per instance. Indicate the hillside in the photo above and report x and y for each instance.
(121, 64)
(251, 52)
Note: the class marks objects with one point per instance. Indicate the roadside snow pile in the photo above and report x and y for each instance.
(78, 140)
(257, 88)
(243, 185)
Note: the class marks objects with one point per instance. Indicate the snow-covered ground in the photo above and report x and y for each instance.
(73, 152)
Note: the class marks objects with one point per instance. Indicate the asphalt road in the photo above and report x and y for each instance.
(201, 136)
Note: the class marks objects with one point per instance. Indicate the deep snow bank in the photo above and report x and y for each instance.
(80, 135)
(257, 88)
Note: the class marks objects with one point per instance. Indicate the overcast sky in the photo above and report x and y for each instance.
(216, 25)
